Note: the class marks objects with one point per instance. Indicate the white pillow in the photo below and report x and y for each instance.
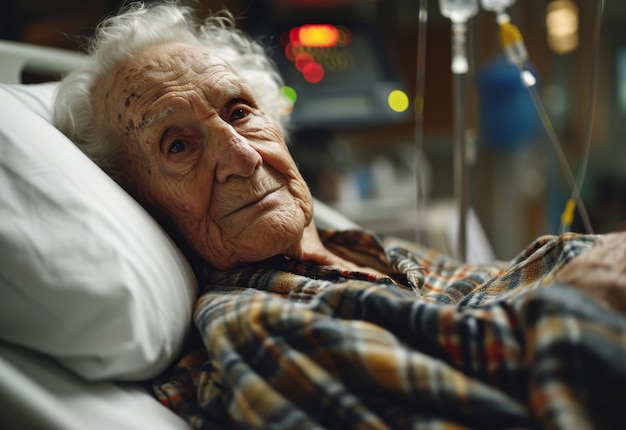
(86, 275)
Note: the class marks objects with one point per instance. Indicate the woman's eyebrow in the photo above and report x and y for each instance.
(154, 119)
(236, 100)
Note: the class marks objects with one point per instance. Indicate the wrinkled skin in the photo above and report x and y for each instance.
(202, 153)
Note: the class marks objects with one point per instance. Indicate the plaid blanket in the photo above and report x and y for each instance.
(435, 345)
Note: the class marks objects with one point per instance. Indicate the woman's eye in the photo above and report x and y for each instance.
(238, 114)
(177, 146)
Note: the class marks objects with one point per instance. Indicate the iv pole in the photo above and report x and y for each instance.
(459, 11)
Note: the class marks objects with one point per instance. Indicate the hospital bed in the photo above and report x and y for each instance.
(94, 297)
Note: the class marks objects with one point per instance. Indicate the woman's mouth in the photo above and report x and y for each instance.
(256, 200)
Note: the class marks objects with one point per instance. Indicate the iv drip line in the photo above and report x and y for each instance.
(566, 220)
(460, 157)
(459, 11)
(515, 51)
(554, 140)
(418, 111)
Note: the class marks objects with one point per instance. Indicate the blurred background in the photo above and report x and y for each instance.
(352, 68)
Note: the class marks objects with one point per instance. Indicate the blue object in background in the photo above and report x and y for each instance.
(507, 117)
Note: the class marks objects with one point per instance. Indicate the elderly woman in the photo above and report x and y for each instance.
(308, 329)
(191, 126)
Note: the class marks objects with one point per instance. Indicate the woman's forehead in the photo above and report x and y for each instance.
(183, 54)
(161, 63)
(143, 79)
(176, 63)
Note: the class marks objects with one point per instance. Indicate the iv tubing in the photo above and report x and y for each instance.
(459, 31)
(459, 12)
(580, 180)
(418, 111)
(460, 164)
(554, 140)
(513, 46)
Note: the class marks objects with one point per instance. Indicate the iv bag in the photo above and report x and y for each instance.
(496, 5)
(458, 10)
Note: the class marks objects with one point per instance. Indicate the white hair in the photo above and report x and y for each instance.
(138, 26)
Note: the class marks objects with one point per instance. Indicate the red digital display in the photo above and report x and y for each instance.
(315, 48)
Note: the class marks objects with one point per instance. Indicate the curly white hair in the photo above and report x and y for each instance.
(140, 25)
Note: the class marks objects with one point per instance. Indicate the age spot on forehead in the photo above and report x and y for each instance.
(129, 99)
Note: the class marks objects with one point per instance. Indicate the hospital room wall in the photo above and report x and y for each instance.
(518, 194)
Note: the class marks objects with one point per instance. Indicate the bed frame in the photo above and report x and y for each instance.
(19, 58)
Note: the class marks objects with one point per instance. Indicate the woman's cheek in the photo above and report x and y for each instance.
(270, 144)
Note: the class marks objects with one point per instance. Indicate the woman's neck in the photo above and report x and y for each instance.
(311, 248)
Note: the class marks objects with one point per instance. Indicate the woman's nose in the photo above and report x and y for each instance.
(235, 155)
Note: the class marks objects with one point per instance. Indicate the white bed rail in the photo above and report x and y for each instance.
(17, 58)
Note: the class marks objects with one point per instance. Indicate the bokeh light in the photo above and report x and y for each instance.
(291, 95)
(562, 25)
(302, 59)
(313, 72)
(290, 52)
(316, 49)
(398, 101)
(344, 36)
(316, 35)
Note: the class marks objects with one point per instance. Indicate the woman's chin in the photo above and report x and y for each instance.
(270, 226)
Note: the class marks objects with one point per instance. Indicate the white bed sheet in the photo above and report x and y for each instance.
(37, 393)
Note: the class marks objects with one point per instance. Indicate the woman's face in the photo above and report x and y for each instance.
(200, 151)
